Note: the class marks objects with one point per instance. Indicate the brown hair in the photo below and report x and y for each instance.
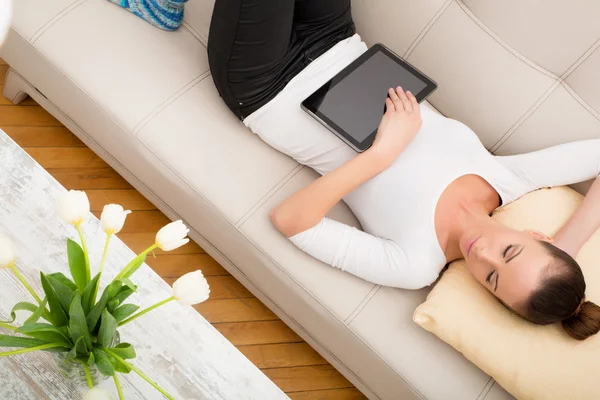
(561, 298)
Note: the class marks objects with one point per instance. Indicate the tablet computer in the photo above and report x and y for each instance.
(352, 103)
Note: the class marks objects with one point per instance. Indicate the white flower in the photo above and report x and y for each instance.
(97, 393)
(192, 288)
(113, 218)
(73, 206)
(7, 255)
(172, 236)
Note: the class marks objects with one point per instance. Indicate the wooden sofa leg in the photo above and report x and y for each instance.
(13, 87)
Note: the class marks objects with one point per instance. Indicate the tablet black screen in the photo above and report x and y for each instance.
(353, 103)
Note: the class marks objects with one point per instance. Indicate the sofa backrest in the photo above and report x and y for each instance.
(523, 74)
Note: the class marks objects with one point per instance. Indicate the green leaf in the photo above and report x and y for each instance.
(124, 350)
(127, 282)
(87, 298)
(103, 363)
(17, 341)
(22, 306)
(59, 276)
(112, 305)
(35, 316)
(133, 266)
(124, 294)
(91, 359)
(77, 264)
(64, 292)
(73, 352)
(77, 323)
(108, 327)
(57, 313)
(46, 332)
(123, 369)
(109, 293)
(124, 311)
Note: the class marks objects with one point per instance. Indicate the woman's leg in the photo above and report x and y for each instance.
(250, 49)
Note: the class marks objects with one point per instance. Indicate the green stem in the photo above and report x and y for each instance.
(118, 385)
(108, 236)
(30, 349)
(137, 371)
(8, 326)
(147, 310)
(24, 282)
(126, 270)
(87, 375)
(85, 254)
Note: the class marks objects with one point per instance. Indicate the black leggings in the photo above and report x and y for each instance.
(255, 47)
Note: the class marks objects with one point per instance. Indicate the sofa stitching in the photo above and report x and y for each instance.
(60, 15)
(561, 80)
(488, 386)
(502, 43)
(356, 312)
(178, 94)
(295, 171)
(195, 33)
(521, 120)
(426, 29)
(581, 101)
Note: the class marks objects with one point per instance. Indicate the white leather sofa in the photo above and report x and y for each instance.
(523, 74)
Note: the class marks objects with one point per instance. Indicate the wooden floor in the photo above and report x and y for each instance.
(273, 347)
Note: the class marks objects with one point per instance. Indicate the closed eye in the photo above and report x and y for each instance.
(489, 277)
(510, 246)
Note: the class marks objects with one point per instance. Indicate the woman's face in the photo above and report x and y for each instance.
(507, 262)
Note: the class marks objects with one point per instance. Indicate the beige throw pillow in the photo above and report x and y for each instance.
(531, 362)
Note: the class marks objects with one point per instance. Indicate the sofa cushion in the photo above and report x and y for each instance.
(530, 361)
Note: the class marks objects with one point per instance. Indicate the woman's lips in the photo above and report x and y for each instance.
(471, 245)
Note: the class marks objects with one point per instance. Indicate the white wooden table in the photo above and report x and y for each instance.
(176, 346)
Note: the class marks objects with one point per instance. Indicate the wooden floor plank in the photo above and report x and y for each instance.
(175, 265)
(329, 394)
(26, 116)
(235, 310)
(261, 332)
(282, 355)
(43, 136)
(65, 157)
(130, 199)
(315, 377)
(89, 178)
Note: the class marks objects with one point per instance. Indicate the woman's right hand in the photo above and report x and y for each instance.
(398, 127)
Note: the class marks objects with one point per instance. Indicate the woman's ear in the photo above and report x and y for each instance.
(540, 236)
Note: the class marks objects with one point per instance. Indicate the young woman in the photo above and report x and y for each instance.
(423, 192)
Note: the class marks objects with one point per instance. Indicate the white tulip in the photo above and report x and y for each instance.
(7, 254)
(192, 288)
(73, 206)
(172, 236)
(113, 218)
(97, 393)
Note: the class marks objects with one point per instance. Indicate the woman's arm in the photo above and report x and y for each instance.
(308, 206)
(564, 165)
(582, 224)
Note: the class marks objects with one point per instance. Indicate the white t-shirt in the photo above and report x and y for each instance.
(398, 245)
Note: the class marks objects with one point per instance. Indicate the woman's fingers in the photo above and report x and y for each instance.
(405, 102)
(396, 100)
(389, 105)
(414, 102)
